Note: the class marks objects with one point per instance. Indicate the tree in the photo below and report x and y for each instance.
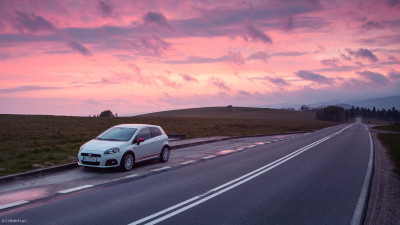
(305, 108)
(331, 113)
(106, 113)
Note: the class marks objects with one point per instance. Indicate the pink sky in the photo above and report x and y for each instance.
(83, 57)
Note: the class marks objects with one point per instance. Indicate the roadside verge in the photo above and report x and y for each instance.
(384, 197)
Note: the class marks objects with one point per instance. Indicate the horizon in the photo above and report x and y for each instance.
(79, 58)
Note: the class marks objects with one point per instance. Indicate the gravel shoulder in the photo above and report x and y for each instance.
(384, 197)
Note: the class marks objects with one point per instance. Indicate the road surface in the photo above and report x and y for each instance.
(320, 178)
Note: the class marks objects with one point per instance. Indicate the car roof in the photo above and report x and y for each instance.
(135, 125)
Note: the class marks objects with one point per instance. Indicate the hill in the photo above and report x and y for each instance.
(237, 113)
(379, 103)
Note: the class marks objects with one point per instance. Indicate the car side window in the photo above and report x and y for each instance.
(155, 131)
(144, 133)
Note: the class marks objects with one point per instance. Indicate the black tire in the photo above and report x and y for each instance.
(164, 155)
(127, 162)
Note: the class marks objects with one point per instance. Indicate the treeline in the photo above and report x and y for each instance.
(340, 114)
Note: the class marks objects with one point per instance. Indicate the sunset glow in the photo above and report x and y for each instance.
(83, 57)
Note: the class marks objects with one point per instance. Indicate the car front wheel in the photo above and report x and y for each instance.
(164, 155)
(127, 162)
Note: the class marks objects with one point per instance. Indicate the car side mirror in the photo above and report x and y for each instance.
(140, 140)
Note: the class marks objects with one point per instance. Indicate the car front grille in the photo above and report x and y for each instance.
(92, 155)
(91, 163)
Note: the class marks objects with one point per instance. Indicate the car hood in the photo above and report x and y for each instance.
(101, 145)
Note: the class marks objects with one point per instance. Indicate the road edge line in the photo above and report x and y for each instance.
(361, 207)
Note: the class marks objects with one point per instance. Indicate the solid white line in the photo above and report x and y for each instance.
(209, 157)
(229, 185)
(362, 200)
(13, 204)
(162, 168)
(75, 189)
(188, 162)
(130, 176)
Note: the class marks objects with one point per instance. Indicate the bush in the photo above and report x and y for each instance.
(106, 113)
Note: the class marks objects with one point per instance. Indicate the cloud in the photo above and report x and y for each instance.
(138, 77)
(376, 78)
(167, 82)
(76, 46)
(330, 62)
(32, 23)
(363, 53)
(380, 40)
(289, 23)
(372, 25)
(275, 80)
(105, 8)
(25, 88)
(318, 78)
(392, 3)
(219, 84)
(152, 45)
(156, 18)
(235, 58)
(394, 75)
(289, 54)
(252, 33)
(231, 57)
(189, 78)
(258, 55)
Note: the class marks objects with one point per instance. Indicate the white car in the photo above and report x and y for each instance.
(123, 145)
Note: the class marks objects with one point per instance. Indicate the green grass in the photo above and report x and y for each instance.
(30, 142)
(388, 128)
(392, 142)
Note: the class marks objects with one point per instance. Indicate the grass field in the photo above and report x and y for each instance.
(391, 142)
(30, 142)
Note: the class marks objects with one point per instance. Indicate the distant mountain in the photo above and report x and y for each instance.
(379, 103)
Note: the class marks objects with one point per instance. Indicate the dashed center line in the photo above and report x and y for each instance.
(75, 189)
(130, 176)
(162, 168)
(188, 162)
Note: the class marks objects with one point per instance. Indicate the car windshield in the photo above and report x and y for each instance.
(117, 134)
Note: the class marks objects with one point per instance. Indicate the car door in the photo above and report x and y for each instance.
(158, 139)
(144, 149)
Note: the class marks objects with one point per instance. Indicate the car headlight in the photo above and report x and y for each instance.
(111, 151)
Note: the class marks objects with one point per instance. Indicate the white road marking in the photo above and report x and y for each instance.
(130, 176)
(209, 157)
(361, 203)
(162, 168)
(13, 204)
(249, 146)
(227, 186)
(188, 162)
(75, 189)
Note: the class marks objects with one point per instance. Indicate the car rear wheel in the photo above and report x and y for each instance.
(127, 162)
(164, 155)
